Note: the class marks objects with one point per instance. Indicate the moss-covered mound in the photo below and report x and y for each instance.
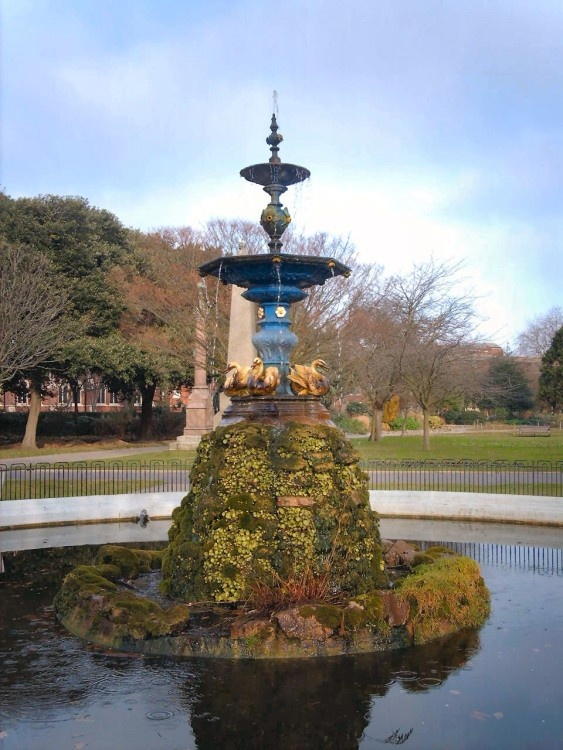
(272, 501)
(95, 601)
(444, 595)
(436, 598)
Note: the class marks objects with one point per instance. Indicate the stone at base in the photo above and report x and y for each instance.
(186, 442)
(276, 410)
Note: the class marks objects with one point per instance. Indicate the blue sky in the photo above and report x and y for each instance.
(431, 127)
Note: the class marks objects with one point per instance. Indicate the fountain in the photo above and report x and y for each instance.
(275, 551)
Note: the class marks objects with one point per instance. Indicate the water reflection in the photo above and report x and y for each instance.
(322, 703)
(500, 687)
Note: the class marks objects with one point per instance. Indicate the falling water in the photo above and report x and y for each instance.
(278, 279)
(215, 305)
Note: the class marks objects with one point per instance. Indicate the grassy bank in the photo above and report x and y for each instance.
(493, 446)
(475, 446)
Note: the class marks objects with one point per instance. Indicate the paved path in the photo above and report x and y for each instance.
(82, 456)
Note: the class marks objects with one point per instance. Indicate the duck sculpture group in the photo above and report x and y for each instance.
(258, 380)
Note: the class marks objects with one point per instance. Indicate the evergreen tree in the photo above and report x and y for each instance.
(551, 374)
(505, 387)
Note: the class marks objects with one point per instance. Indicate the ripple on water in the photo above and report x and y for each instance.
(405, 675)
(429, 682)
(159, 715)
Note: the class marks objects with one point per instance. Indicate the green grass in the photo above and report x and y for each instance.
(475, 446)
(492, 446)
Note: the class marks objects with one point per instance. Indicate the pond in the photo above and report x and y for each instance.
(499, 687)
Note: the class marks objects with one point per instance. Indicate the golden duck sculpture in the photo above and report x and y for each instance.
(307, 380)
(236, 380)
(262, 381)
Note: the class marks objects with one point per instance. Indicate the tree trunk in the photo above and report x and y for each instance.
(376, 424)
(404, 424)
(425, 430)
(30, 436)
(145, 427)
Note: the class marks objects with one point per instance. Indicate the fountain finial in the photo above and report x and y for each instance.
(274, 140)
(275, 177)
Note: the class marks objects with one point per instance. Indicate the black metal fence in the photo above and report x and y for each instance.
(546, 561)
(62, 479)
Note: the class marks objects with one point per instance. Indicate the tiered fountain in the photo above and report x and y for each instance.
(275, 551)
(275, 281)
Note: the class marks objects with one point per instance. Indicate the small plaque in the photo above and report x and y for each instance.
(295, 501)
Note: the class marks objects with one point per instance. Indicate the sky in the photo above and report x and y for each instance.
(432, 128)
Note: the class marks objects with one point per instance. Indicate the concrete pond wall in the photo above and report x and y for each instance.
(467, 506)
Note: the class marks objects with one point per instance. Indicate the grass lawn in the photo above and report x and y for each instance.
(478, 446)
(475, 446)
(493, 446)
(56, 448)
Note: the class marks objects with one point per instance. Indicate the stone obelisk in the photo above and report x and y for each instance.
(199, 411)
(242, 326)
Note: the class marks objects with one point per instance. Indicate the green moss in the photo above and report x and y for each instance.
(371, 612)
(95, 607)
(230, 529)
(327, 614)
(445, 596)
(111, 572)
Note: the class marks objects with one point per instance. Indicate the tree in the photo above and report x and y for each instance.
(83, 245)
(505, 387)
(435, 359)
(32, 303)
(373, 333)
(536, 339)
(322, 321)
(551, 374)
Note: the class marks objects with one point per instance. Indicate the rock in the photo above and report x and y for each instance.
(395, 612)
(295, 625)
(398, 553)
(246, 627)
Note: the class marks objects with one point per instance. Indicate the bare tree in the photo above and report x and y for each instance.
(435, 359)
(31, 306)
(374, 335)
(536, 339)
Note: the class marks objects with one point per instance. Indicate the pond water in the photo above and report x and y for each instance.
(499, 687)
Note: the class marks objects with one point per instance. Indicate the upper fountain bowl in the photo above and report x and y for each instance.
(275, 173)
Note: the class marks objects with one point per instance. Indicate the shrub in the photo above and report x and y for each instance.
(397, 423)
(357, 407)
(348, 424)
(435, 422)
(464, 417)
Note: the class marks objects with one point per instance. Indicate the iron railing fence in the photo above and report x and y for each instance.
(495, 477)
(546, 561)
(64, 479)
